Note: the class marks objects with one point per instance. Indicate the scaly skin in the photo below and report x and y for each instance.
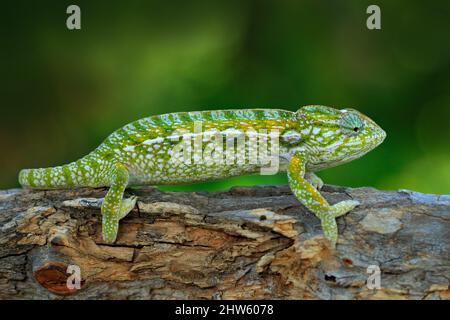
(142, 153)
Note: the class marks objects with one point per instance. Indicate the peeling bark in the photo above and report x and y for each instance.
(247, 243)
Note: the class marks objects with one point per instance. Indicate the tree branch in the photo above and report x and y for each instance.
(247, 243)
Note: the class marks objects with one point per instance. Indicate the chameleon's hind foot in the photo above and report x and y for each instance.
(114, 207)
(126, 206)
(110, 221)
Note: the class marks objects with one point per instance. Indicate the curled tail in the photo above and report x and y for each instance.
(81, 173)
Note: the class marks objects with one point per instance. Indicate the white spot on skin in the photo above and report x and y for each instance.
(129, 148)
(329, 133)
(151, 141)
(305, 131)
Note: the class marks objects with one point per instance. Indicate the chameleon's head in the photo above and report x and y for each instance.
(337, 136)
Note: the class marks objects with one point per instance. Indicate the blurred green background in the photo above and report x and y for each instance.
(63, 92)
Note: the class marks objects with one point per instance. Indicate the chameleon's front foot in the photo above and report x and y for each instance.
(343, 207)
(315, 181)
(328, 219)
(303, 185)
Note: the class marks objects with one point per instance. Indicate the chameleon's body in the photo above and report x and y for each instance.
(141, 153)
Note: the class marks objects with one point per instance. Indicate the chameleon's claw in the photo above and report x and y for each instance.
(314, 180)
(343, 207)
(126, 206)
(110, 222)
(328, 220)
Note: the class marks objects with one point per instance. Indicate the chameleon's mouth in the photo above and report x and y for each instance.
(384, 134)
(381, 136)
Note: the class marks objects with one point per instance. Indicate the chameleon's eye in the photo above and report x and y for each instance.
(351, 123)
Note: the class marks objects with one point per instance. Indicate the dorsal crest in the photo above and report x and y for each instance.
(319, 114)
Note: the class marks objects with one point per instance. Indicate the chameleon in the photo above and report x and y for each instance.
(311, 139)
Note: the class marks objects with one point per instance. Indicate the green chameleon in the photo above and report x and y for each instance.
(142, 153)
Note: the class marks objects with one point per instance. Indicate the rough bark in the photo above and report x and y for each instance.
(247, 243)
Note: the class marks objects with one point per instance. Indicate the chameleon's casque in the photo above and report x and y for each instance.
(143, 153)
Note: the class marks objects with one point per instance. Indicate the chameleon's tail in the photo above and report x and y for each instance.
(48, 178)
(75, 174)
